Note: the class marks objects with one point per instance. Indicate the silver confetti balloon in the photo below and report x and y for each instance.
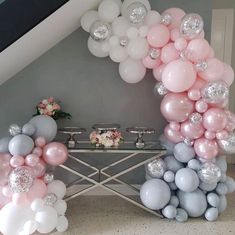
(136, 12)
(160, 89)
(154, 53)
(201, 66)
(195, 118)
(191, 25)
(14, 129)
(188, 141)
(215, 92)
(50, 199)
(21, 179)
(166, 18)
(156, 168)
(228, 144)
(48, 178)
(209, 173)
(100, 31)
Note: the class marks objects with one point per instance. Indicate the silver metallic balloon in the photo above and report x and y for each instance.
(156, 168)
(209, 173)
(160, 89)
(195, 118)
(228, 144)
(215, 92)
(100, 31)
(154, 53)
(50, 199)
(14, 129)
(136, 12)
(21, 179)
(48, 178)
(191, 25)
(201, 66)
(166, 18)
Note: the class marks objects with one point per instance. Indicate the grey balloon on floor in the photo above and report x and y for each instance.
(213, 199)
(172, 164)
(194, 203)
(194, 164)
(174, 201)
(21, 145)
(222, 204)
(169, 212)
(155, 194)
(28, 129)
(212, 214)
(45, 127)
(181, 215)
(4, 142)
(167, 144)
(230, 182)
(169, 176)
(222, 163)
(207, 187)
(183, 152)
(221, 189)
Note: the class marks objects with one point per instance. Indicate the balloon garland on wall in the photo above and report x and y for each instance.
(191, 180)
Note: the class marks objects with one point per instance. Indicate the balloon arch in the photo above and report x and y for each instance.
(190, 181)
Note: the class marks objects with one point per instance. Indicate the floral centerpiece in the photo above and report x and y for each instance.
(51, 108)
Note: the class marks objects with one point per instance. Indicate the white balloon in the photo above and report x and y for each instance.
(30, 226)
(113, 41)
(108, 10)
(132, 32)
(62, 225)
(143, 31)
(132, 71)
(138, 48)
(118, 54)
(88, 19)
(96, 48)
(120, 26)
(57, 187)
(126, 3)
(152, 18)
(106, 46)
(37, 204)
(47, 219)
(61, 207)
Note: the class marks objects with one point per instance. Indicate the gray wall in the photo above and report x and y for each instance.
(90, 88)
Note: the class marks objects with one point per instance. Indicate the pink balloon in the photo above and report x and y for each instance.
(17, 161)
(5, 168)
(228, 74)
(198, 49)
(194, 94)
(201, 106)
(6, 191)
(32, 160)
(175, 34)
(214, 71)
(55, 153)
(214, 119)
(176, 107)
(210, 135)
(180, 44)
(150, 63)
(40, 169)
(158, 36)
(211, 53)
(37, 151)
(174, 136)
(169, 53)
(3, 200)
(192, 131)
(157, 72)
(40, 142)
(199, 84)
(175, 126)
(178, 76)
(231, 121)
(38, 190)
(207, 149)
(176, 14)
(20, 199)
(222, 135)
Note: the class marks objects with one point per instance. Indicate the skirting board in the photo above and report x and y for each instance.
(102, 192)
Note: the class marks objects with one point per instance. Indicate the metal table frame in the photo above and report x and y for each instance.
(102, 172)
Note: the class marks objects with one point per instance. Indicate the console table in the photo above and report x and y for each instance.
(132, 159)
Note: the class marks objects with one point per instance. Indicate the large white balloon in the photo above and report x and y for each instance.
(96, 48)
(60, 206)
(120, 26)
(138, 48)
(108, 10)
(57, 187)
(88, 19)
(30, 226)
(132, 71)
(152, 18)
(118, 54)
(62, 225)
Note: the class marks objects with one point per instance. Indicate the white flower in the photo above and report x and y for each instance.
(45, 101)
(49, 108)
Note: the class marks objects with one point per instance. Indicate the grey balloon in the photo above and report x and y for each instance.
(45, 127)
(169, 212)
(207, 187)
(221, 189)
(147, 177)
(169, 176)
(183, 152)
(230, 184)
(194, 203)
(213, 199)
(223, 177)
(4, 142)
(21, 145)
(194, 164)
(212, 214)
(222, 204)
(173, 186)
(155, 194)
(186, 180)
(222, 163)
(181, 215)
(167, 144)
(174, 201)
(28, 129)
(172, 164)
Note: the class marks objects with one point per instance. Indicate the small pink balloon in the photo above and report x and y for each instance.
(207, 149)
(157, 72)
(222, 135)
(174, 136)
(55, 153)
(175, 126)
(194, 94)
(199, 84)
(158, 36)
(6, 191)
(192, 131)
(201, 106)
(17, 161)
(198, 50)
(32, 160)
(5, 159)
(40, 142)
(214, 70)
(176, 107)
(37, 151)
(175, 34)
(38, 190)
(178, 76)
(210, 135)
(150, 63)
(40, 169)
(3, 200)
(228, 74)
(169, 53)
(180, 44)
(215, 119)
(20, 199)
(5, 168)
(176, 15)
(211, 53)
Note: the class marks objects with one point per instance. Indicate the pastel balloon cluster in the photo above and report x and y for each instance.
(23, 179)
(181, 186)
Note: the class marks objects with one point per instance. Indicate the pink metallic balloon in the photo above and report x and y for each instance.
(169, 53)
(178, 76)
(210, 135)
(157, 72)
(32, 160)
(176, 107)
(174, 136)
(5, 168)
(228, 75)
(150, 63)
(38, 190)
(207, 149)
(17, 161)
(55, 153)
(20, 199)
(214, 119)
(176, 15)
(37, 151)
(199, 84)
(180, 44)
(40, 142)
(211, 53)
(221, 135)
(201, 106)
(231, 121)
(40, 169)
(3, 200)
(6, 191)
(192, 131)
(175, 34)
(194, 94)
(174, 126)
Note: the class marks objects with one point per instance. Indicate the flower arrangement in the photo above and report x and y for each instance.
(51, 108)
(106, 139)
